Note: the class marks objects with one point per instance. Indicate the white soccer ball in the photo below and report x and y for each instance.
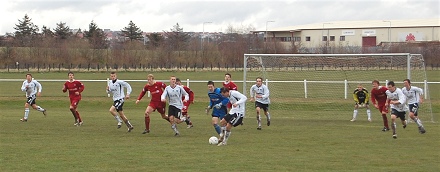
(213, 140)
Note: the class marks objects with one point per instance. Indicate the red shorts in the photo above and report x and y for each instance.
(383, 109)
(185, 107)
(159, 106)
(74, 102)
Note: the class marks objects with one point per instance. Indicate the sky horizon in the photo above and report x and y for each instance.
(207, 15)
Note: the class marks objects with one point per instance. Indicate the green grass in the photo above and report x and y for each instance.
(312, 135)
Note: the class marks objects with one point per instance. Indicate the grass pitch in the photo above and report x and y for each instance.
(312, 136)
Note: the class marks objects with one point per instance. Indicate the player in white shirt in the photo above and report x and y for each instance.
(235, 116)
(260, 94)
(397, 100)
(174, 94)
(116, 87)
(415, 98)
(33, 89)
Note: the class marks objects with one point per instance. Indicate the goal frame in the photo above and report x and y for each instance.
(408, 60)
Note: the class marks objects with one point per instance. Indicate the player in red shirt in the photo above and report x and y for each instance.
(230, 85)
(156, 89)
(186, 104)
(378, 93)
(75, 88)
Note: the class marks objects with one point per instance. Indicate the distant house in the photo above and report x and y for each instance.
(367, 33)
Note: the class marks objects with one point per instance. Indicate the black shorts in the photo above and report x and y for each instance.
(362, 101)
(234, 119)
(31, 100)
(414, 108)
(118, 104)
(265, 107)
(174, 111)
(400, 115)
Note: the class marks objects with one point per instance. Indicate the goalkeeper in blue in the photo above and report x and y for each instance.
(218, 103)
(260, 94)
(361, 97)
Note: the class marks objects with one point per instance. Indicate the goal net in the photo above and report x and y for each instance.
(323, 84)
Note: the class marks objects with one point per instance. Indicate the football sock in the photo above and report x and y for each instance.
(418, 122)
(393, 126)
(268, 116)
(227, 134)
(259, 120)
(147, 122)
(174, 127)
(79, 117)
(26, 113)
(385, 120)
(128, 124)
(217, 128)
(117, 118)
(74, 114)
(369, 113)
(40, 109)
(188, 121)
(355, 113)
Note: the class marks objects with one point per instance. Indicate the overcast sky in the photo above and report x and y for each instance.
(159, 15)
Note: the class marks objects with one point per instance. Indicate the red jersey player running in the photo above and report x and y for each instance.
(378, 93)
(187, 103)
(75, 88)
(156, 89)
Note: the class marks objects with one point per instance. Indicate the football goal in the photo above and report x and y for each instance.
(320, 81)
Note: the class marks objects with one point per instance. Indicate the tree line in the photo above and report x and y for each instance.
(62, 45)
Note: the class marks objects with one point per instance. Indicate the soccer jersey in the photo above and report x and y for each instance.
(263, 91)
(175, 95)
(413, 94)
(236, 97)
(230, 85)
(72, 87)
(190, 93)
(397, 95)
(116, 87)
(216, 97)
(379, 95)
(32, 87)
(361, 96)
(156, 91)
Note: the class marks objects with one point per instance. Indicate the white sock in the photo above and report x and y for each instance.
(26, 113)
(418, 122)
(40, 109)
(355, 113)
(259, 120)
(117, 118)
(174, 127)
(268, 116)
(228, 133)
(369, 113)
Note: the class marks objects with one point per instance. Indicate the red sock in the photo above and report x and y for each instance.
(147, 123)
(79, 117)
(385, 120)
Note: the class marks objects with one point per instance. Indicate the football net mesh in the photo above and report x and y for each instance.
(325, 82)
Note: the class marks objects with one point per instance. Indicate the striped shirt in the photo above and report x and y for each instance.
(32, 87)
(263, 91)
(413, 94)
(397, 95)
(116, 88)
(175, 95)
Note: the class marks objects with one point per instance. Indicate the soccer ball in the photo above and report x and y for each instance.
(213, 140)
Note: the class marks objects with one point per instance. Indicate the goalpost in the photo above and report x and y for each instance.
(330, 79)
